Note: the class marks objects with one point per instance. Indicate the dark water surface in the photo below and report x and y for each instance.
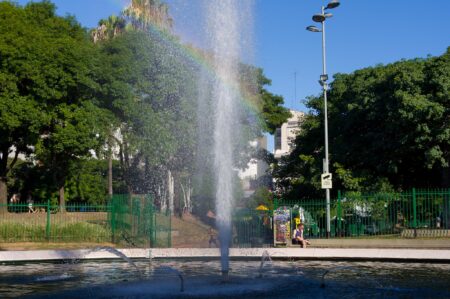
(277, 279)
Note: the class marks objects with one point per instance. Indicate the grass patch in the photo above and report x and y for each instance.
(72, 232)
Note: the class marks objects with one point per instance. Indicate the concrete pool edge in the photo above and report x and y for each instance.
(418, 255)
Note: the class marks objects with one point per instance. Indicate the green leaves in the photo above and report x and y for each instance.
(387, 125)
(47, 90)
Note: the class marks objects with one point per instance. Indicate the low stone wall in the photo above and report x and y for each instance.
(424, 233)
(416, 255)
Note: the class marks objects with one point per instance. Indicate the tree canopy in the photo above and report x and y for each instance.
(388, 129)
(46, 90)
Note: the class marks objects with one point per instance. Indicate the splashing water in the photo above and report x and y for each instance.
(53, 278)
(118, 254)
(169, 269)
(265, 259)
(340, 268)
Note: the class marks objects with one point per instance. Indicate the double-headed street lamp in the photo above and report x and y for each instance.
(321, 18)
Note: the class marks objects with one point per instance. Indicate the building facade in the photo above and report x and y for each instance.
(285, 135)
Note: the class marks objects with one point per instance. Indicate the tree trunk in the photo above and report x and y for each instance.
(170, 191)
(3, 194)
(163, 200)
(183, 208)
(187, 194)
(4, 169)
(110, 176)
(62, 203)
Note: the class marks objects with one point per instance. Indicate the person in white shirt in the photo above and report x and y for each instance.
(298, 236)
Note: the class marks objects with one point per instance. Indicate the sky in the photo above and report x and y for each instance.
(361, 33)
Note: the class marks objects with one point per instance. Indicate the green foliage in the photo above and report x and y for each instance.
(273, 113)
(87, 182)
(262, 196)
(149, 88)
(47, 91)
(21, 117)
(388, 128)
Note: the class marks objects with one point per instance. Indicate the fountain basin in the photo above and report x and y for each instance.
(202, 279)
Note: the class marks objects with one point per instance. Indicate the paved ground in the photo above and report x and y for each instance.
(422, 243)
(419, 243)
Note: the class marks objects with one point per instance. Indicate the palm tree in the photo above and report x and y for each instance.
(109, 28)
(145, 13)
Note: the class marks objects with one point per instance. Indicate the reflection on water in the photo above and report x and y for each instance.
(282, 279)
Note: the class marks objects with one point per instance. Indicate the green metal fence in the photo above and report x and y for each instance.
(44, 222)
(252, 229)
(131, 221)
(407, 214)
(135, 221)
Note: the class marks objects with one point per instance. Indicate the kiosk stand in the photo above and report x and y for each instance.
(281, 226)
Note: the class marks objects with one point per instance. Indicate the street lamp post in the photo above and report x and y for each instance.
(321, 18)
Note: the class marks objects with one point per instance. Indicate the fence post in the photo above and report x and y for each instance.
(414, 199)
(152, 226)
(339, 214)
(275, 202)
(113, 220)
(169, 238)
(47, 226)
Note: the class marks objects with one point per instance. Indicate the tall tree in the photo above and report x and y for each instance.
(108, 28)
(45, 95)
(145, 13)
(146, 88)
(20, 114)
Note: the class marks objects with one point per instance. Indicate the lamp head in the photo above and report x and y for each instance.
(319, 18)
(333, 4)
(313, 29)
(324, 78)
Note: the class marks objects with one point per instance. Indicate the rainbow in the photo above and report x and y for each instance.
(248, 100)
(202, 60)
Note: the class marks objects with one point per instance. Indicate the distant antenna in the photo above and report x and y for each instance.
(295, 91)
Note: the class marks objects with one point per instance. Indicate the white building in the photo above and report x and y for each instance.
(285, 136)
(256, 168)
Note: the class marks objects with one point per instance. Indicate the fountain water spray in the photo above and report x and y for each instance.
(174, 271)
(265, 259)
(226, 53)
(224, 24)
(116, 253)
